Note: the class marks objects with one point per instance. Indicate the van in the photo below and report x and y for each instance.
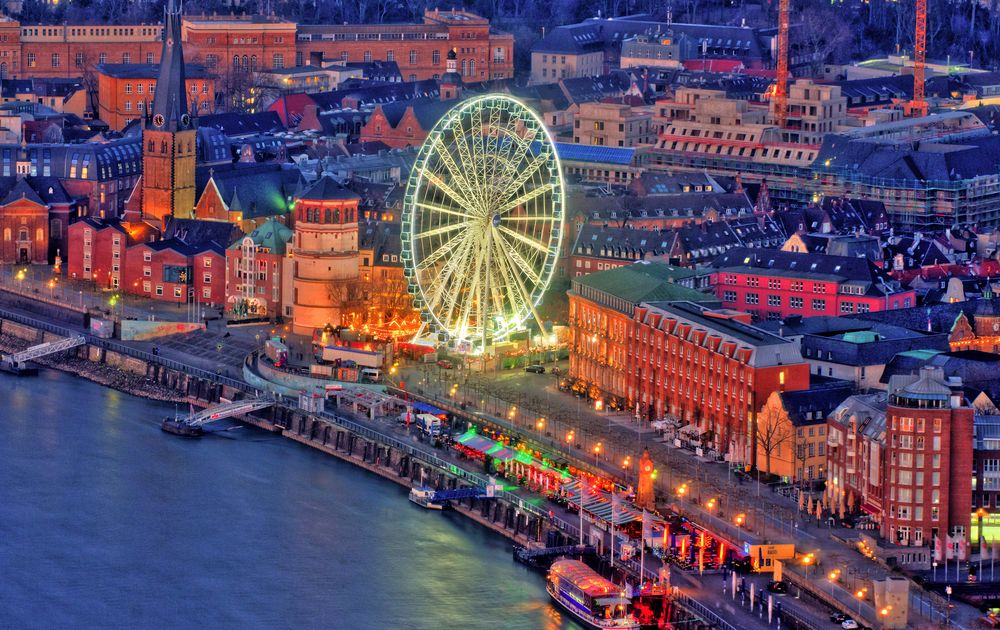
(371, 374)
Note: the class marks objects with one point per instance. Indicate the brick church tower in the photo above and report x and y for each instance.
(168, 155)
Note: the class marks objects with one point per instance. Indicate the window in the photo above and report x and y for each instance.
(278, 60)
(773, 283)
(753, 298)
(208, 262)
(774, 300)
(177, 292)
(147, 256)
(126, 57)
(79, 60)
(128, 88)
(206, 293)
(146, 285)
(795, 302)
(847, 307)
(31, 60)
(729, 296)
(149, 58)
(206, 278)
(368, 56)
(159, 289)
(819, 305)
(390, 55)
(436, 57)
(55, 60)
(102, 58)
(413, 57)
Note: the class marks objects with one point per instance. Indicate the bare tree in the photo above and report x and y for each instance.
(822, 35)
(774, 430)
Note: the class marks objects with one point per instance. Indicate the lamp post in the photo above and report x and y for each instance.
(947, 590)
(597, 453)
(980, 513)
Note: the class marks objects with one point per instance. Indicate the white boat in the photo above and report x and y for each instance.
(591, 599)
(424, 498)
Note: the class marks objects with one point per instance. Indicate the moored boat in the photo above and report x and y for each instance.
(590, 598)
(17, 369)
(424, 497)
(179, 427)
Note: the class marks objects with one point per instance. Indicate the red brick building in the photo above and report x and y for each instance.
(262, 43)
(98, 249)
(711, 370)
(255, 270)
(24, 226)
(928, 462)
(772, 284)
(404, 123)
(125, 91)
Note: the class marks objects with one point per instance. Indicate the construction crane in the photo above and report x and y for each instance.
(781, 85)
(918, 105)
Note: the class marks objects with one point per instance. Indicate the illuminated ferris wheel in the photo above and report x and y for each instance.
(482, 221)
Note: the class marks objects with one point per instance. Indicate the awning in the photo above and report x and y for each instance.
(598, 503)
(612, 601)
(870, 508)
(691, 429)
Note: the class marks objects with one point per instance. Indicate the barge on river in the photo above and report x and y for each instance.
(179, 426)
(591, 599)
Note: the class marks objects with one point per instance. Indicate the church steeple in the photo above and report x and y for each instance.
(169, 142)
(170, 112)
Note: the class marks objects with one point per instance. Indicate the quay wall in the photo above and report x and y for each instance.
(121, 367)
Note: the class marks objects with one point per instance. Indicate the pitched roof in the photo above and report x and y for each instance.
(170, 100)
(254, 189)
(240, 124)
(815, 266)
(197, 233)
(813, 405)
(641, 282)
(21, 190)
(621, 243)
(327, 188)
(271, 234)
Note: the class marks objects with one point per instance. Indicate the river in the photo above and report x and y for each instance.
(105, 521)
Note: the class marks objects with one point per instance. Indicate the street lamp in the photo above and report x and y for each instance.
(540, 424)
(980, 513)
(597, 452)
(947, 590)
(741, 519)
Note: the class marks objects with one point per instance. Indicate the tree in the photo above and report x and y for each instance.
(821, 36)
(774, 430)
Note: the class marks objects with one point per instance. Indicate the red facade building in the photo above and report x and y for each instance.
(772, 284)
(928, 463)
(710, 369)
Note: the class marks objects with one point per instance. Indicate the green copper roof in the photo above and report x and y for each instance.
(271, 234)
(861, 336)
(644, 282)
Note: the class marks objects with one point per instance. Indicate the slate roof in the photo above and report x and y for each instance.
(383, 239)
(147, 71)
(875, 346)
(916, 253)
(930, 161)
(427, 111)
(622, 243)
(813, 405)
(792, 264)
(937, 317)
(21, 190)
(212, 146)
(254, 189)
(327, 189)
(869, 412)
(655, 183)
(237, 124)
(598, 34)
(197, 233)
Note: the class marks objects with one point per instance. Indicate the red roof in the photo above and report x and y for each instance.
(714, 65)
(766, 73)
(291, 107)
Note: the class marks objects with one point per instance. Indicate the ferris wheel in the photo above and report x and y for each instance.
(482, 221)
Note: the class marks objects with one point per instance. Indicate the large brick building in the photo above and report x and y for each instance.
(125, 91)
(262, 43)
(711, 370)
(908, 462)
(772, 284)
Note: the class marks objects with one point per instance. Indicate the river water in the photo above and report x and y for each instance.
(105, 521)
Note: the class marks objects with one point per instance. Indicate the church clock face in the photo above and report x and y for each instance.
(996, 326)
(158, 120)
(185, 120)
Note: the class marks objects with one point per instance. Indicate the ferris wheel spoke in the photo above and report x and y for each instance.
(440, 282)
(527, 240)
(444, 210)
(453, 168)
(449, 191)
(444, 229)
(522, 292)
(438, 253)
(522, 266)
(525, 198)
(474, 294)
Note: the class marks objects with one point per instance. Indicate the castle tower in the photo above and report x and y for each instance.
(168, 155)
(645, 496)
(450, 85)
(325, 255)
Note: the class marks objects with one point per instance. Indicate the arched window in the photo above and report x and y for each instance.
(163, 147)
(40, 236)
(152, 146)
(22, 234)
(336, 216)
(6, 234)
(253, 63)
(236, 62)
(246, 62)
(327, 215)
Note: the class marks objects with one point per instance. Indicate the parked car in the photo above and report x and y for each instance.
(778, 587)
(838, 617)
(849, 624)
(445, 364)
(535, 369)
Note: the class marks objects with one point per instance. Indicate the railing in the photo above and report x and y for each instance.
(129, 351)
(703, 611)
